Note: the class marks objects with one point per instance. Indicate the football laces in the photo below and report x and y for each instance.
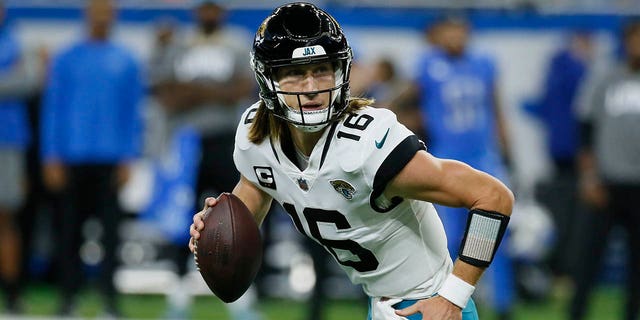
(195, 254)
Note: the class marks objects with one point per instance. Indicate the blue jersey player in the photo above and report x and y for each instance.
(456, 88)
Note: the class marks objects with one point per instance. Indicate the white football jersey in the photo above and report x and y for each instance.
(399, 251)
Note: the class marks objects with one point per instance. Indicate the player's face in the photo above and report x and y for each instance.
(307, 78)
(453, 38)
(209, 17)
(100, 16)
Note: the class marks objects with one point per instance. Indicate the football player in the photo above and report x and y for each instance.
(458, 98)
(355, 180)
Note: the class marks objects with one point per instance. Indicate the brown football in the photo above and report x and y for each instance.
(229, 251)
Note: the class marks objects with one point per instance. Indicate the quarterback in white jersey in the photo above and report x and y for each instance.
(337, 200)
(355, 180)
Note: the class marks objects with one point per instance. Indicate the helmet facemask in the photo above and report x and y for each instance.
(305, 120)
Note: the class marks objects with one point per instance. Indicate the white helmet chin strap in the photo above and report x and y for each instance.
(316, 119)
(310, 129)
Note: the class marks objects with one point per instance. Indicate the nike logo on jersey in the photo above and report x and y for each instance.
(380, 143)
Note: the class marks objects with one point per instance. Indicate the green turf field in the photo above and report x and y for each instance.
(41, 301)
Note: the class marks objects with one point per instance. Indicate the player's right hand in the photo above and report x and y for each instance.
(434, 308)
(198, 223)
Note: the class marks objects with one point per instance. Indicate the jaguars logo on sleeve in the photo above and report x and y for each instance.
(252, 165)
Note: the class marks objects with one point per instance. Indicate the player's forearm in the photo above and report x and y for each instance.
(467, 272)
(458, 287)
(256, 200)
(476, 253)
(486, 226)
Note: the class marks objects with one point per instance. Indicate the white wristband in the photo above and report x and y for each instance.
(456, 291)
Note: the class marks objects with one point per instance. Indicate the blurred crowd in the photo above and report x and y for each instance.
(76, 124)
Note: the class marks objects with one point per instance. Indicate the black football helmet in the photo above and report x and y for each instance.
(294, 34)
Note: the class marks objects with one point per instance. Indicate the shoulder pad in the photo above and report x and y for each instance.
(242, 133)
(377, 137)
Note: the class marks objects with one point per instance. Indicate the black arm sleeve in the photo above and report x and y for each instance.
(391, 166)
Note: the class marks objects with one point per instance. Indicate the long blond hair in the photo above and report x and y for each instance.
(265, 124)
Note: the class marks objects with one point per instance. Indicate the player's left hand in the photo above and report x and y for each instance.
(198, 222)
(436, 308)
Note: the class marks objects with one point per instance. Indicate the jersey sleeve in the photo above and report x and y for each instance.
(242, 144)
(388, 148)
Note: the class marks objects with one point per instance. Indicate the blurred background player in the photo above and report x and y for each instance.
(18, 80)
(610, 173)
(386, 84)
(91, 131)
(566, 71)
(198, 84)
(456, 89)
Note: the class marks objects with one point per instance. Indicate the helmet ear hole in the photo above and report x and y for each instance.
(294, 34)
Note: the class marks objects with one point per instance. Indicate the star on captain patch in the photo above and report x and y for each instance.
(302, 183)
(343, 188)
